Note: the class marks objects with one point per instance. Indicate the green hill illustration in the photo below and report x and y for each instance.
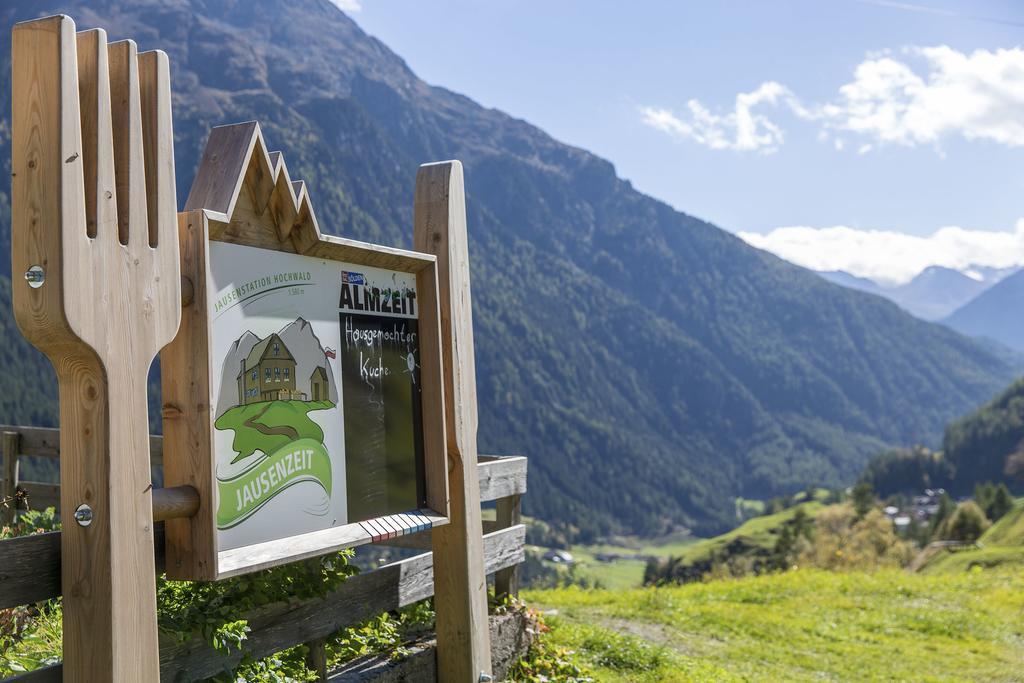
(267, 407)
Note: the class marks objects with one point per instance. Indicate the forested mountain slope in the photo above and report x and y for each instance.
(652, 365)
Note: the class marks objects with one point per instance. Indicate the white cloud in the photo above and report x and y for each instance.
(740, 129)
(929, 93)
(347, 5)
(889, 256)
(979, 96)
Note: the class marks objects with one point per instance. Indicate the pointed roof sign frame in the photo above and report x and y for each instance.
(243, 194)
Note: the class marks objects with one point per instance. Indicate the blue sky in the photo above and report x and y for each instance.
(885, 136)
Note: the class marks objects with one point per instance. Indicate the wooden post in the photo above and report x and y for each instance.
(509, 513)
(12, 443)
(460, 585)
(316, 658)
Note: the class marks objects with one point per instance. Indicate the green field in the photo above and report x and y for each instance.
(1002, 544)
(799, 625)
(288, 420)
(759, 532)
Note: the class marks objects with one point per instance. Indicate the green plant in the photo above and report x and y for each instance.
(212, 608)
(36, 644)
(32, 522)
(545, 662)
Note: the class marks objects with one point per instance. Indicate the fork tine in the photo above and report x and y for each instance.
(97, 136)
(158, 140)
(129, 160)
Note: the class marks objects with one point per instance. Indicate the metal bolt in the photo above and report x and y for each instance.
(485, 677)
(35, 277)
(83, 515)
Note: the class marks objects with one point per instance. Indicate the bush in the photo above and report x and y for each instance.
(967, 523)
(843, 541)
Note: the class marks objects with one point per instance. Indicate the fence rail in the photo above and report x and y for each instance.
(30, 572)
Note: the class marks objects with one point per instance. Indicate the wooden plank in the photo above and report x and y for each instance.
(270, 553)
(435, 451)
(276, 627)
(40, 495)
(316, 658)
(30, 566)
(29, 569)
(185, 374)
(502, 476)
(511, 636)
(49, 674)
(44, 442)
(440, 228)
(221, 171)
(8, 494)
(509, 513)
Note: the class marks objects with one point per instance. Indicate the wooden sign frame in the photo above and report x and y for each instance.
(243, 195)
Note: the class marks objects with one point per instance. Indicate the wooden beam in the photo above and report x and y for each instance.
(185, 384)
(501, 476)
(316, 658)
(29, 569)
(8, 495)
(51, 674)
(44, 442)
(30, 566)
(509, 513)
(464, 653)
(175, 502)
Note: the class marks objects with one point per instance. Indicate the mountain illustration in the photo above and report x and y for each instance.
(309, 355)
(240, 349)
(307, 365)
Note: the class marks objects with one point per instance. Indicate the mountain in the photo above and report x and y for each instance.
(932, 294)
(862, 284)
(995, 314)
(985, 445)
(652, 365)
(936, 292)
(988, 444)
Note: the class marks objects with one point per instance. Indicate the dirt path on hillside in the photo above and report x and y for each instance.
(281, 430)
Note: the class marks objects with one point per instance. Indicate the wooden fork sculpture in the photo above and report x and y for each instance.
(94, 229)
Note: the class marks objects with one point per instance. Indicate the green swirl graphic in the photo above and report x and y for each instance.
(246, 492)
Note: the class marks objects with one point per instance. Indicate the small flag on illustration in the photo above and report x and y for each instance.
(330, 353)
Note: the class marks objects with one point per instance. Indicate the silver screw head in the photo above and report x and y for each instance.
(486, 677)
(83, 515)
(35, 277)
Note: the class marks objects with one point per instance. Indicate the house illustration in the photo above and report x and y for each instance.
(268, 373)
(318, 384)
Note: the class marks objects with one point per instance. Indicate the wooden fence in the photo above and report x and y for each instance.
(30, 568)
